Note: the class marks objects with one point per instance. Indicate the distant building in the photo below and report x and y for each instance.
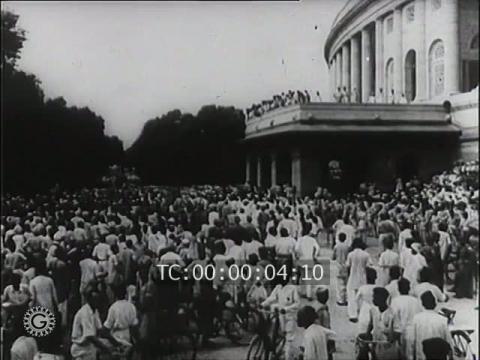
(404, 59)
(424, 49)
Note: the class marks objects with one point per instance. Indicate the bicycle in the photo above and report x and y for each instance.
(269, 341)
(233, 320)
(175, 341)
(461, 340)
(365, 348)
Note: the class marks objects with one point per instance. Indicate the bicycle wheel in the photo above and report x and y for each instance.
(362, 349)
(236, 333)
(461, 345)
(181, 347)
(278, 350)
(252, 322)
(256, 350)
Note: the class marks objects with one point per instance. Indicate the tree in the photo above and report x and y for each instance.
(186, 149)
(12, 39)
(46, 142)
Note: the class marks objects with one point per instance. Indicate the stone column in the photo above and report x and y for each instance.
(366, 65)
(379, 61)
(248, 175)
(333, 83)
(398, 57)
(421, 65)
(297, 171)
(259, 171)
(452, 47)
(273, 168)
(355, 82)
(339, 69)
(346, 65)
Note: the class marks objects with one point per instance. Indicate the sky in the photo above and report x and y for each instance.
(130, 62)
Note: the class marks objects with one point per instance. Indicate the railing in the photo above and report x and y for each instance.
(348, 114)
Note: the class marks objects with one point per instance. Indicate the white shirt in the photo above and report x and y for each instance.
(443, 242)
(349, 231)
(121, 316)
(290, 225)
(412, 264)
(426, 286)
(19, 240)
(285, 296)
(237, 253)
(388, 258)
(24, 348)
(102, 251)
(404, 308)
(357, 260)
(285, 245)
(392, 289)
(270, 241)
(426, 325)
(252, 248)
(86, 323)
(171, 258)
(156, 242)
(404, 235)
(307, 248)
(43, 292)
(315, 342)
(79, 234)
(89, 269)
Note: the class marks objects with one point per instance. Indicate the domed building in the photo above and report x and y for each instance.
(426, 50)
(409, 72)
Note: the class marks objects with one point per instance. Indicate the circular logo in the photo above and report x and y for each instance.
(39, 321)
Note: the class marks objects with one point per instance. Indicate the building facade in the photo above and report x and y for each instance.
(413, 65)
(426, 50)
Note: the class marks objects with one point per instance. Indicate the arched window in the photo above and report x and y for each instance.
(436, 59)
(410, 76)
(389, 81)
(474, 43)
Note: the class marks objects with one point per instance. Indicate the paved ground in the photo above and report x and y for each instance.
(467, 317)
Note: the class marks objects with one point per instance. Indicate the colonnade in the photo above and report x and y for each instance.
(273, 176)
(359, 63)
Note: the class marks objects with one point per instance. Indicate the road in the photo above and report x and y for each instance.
(467, 317)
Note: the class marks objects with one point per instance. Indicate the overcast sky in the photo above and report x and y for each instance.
(130, 62)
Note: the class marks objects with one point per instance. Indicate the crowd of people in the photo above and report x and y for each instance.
(341, 95)
(282, 100)
(344, 95)
(90, 257)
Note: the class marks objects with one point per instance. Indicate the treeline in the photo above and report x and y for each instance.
(191, 149)
(46, 142)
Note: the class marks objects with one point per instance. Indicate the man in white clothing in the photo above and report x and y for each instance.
(429, 324)
(315, 336)
(412, 261)
(388, 258)
(307, 250)
(425, 285)
(157, 241)
(404, 308)
(357, 262)
(348, 230)
(121, 318)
